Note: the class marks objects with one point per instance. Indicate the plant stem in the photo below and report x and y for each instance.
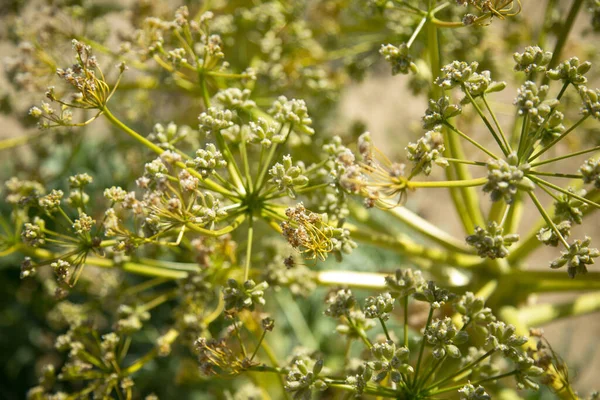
(555, 159)
(406, 321)
(156, 149)
(564, 34)
(472, 141)
(502, 135)
(546, 217)
(422, 348)
(464, 369)
(558, 139)
(540, 314)
(416, 32)
(465, 200)
(428, 230)
(296, 319)
(353, 279)
(485, 120)
(248, 249)
(456, 387)
(565, 191)
(447, 184)
(385, 330)
(262, 337)
(404, 245)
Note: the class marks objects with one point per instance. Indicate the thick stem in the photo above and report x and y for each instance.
(428, 230)
(564, 34)
(248, 249)
(404, 245)
(541, 314)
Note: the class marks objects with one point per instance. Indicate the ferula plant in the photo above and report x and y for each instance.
(201, 200)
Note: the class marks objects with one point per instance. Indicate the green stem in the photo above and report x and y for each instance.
(248, 249)
(353, 279)
(428, 230)
(547, 218)
(404, 245)
(296, 319)
(558, 139)
(456, 387)
(447, 184)
(537, 281)
(220, 232)
(422, 348)
(406, 321)
(359, 331)
(262, 337)
(502, 135)
(416, 32)
(564, 34)
(156, 149)
(471, 140)
(564, 191)
(432, 370)
(465, 200)
(464, 369)
(485, 120)
(541, 314)
(385, 330)
(555, 159)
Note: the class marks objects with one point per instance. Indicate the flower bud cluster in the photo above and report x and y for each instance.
(404, 282)
(455, 74)
(33, 233)
(214, 120)
(244, 296)
(490, 242)
(293, 112)
(265, 133)
(287, 177)
(505, 178)
(444, 337)
(439, 112)
(131, 319)
(427, 150)
(548, 236)
(473, 310)
(470, 392)
(591, 102)
(19, 192)
(569, 208)
(389, 360)
(302, 379)
(434, 295)
(577, 257)
(339, 303)
(207, 160)
(379, 306)
(532, 60)
(590, 171)
(167, 137)
(399, 58)
(531, 102)
(570, 71)
(234, 98)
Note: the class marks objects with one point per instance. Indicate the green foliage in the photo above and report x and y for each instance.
(191, 190)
